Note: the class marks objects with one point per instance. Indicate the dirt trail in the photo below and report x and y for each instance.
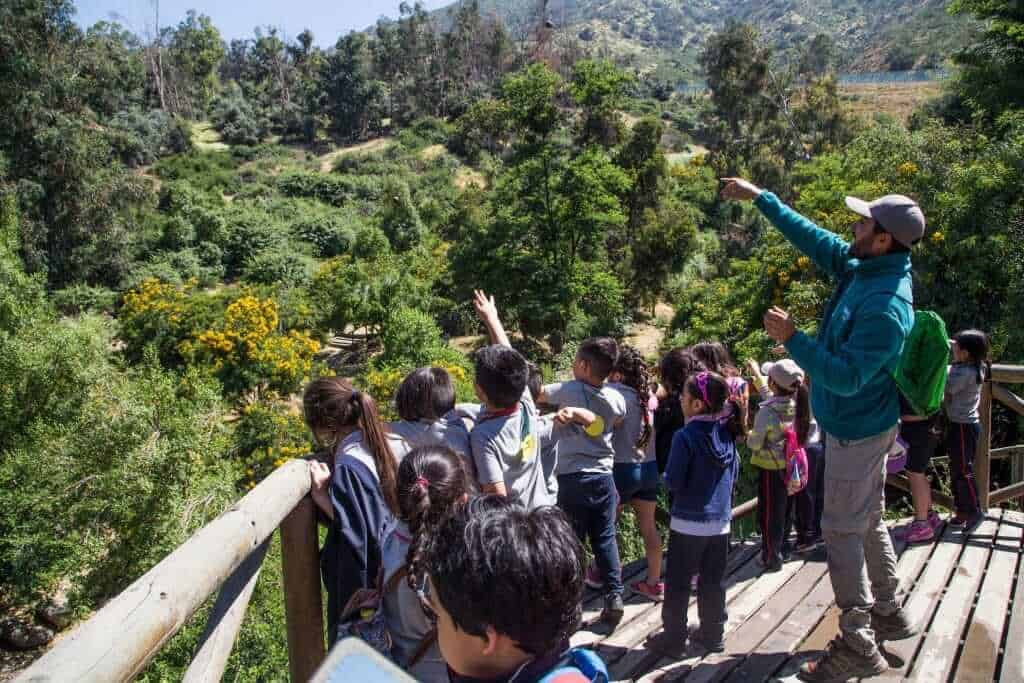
(377, 145)
(647, 334)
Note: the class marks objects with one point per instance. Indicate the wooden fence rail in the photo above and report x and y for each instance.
(121, 638)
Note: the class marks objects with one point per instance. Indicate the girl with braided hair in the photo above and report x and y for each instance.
(432, 483)
(356, 491)
(636, 467)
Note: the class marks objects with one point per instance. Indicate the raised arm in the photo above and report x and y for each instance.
(829, 253)
(487, 311)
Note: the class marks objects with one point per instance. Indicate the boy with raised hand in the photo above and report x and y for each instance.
(586, 487)
(504, 441)
(504, 586)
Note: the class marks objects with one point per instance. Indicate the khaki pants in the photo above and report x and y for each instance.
(861, 560)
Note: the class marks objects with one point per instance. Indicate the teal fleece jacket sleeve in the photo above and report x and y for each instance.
(829, 253)
(874, 341)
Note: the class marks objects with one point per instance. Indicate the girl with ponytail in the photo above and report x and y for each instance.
(785, 405)
(432, 483)
(358, 494)
(636, 467)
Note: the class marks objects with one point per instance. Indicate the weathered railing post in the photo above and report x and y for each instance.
(982, 461)
(302, 603)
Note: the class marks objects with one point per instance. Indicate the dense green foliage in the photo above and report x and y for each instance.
(167, 286)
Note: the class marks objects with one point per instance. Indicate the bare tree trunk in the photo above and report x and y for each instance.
(159, 67)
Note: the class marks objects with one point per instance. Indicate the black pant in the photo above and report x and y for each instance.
(589, 500)
(771, 514)
(689, 555)
(803, 509)
(961, 443)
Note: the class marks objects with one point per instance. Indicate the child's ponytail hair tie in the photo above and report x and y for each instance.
(423, 481)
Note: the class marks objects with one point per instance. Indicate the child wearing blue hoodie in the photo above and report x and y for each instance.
(702, 468)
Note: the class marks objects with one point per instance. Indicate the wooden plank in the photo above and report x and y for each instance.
(982, 465)
(1006, 494)
(759, 626)
(1008, 398)
(925, 597)
(749, 601)
(774, 650)
(935, 659)
(215, 645)
(1004, 452)
(1012, 668)
(981, 646)
(912, 560)
(1008, 374)
(624, 652)
(152, 609)
(591, 630)
(303, 606)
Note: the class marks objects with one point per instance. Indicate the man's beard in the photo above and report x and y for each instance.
(861, 249)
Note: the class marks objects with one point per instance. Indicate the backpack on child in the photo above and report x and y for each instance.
(363, 618)
(797, 473)
(575, 663)
(920, 372)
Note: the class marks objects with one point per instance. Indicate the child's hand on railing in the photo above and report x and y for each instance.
(319, 474)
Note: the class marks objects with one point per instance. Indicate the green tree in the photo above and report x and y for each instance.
(352, 97)
(196, 50)
(599, 89)
(991, 78)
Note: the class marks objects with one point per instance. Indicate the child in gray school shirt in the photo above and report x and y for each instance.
(589, 450)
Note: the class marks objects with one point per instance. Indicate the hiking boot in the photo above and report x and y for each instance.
(613, 609)
(593, 578)
(769, 566)
(920, 531)
(841, 663)
(667, 645)
(895, 626)
(654, 591)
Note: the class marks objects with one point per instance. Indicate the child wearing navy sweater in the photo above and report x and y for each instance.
(701, 470)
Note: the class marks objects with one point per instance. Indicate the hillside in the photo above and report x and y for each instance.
(868, 35)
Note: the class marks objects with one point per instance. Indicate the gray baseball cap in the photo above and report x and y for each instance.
(786, 373)
(899, 216)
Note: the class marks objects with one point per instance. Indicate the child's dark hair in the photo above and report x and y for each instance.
(975, 344)
(716, 358)
(676, 367)
(802, 414)
(432, 481)
(496, 564)
(534, 380)
(331, 405)
(502, 373)
(635, 375)
(425, 394)
(715, 394)
(601, 353)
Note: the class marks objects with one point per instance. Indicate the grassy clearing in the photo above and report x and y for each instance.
(376, 145)
(206, 137)
(899, 100)
(685, 157)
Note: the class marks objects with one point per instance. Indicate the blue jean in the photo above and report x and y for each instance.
(589, 500)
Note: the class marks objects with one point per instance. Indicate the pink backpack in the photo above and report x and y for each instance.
(796, 463)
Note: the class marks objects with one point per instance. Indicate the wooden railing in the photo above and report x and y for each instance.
(994, 388)
(121, 638)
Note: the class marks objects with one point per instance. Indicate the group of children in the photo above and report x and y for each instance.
(461, 526)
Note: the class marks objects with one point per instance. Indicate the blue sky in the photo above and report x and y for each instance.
(328, 19)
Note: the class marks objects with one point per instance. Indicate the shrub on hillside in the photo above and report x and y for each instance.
(275, 267)
(141, 137)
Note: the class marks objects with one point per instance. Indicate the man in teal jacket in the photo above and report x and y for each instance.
(856, 403)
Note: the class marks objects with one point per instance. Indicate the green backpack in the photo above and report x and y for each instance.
(921, 371)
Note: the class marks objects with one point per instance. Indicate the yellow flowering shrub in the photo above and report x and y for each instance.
(384, 382)
(269, 433)
(247, 349)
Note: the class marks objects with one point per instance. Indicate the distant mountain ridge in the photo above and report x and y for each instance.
(869, 35)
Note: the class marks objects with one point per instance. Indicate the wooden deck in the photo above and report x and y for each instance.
(962, 589)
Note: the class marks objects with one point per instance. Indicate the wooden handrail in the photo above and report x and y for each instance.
(121, 638)
(982, 461)
(1008, 374)
(1008, 399)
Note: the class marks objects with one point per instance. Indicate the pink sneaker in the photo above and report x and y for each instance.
(593, 578)
(934, 520)
(920, 532)
(654, 591)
